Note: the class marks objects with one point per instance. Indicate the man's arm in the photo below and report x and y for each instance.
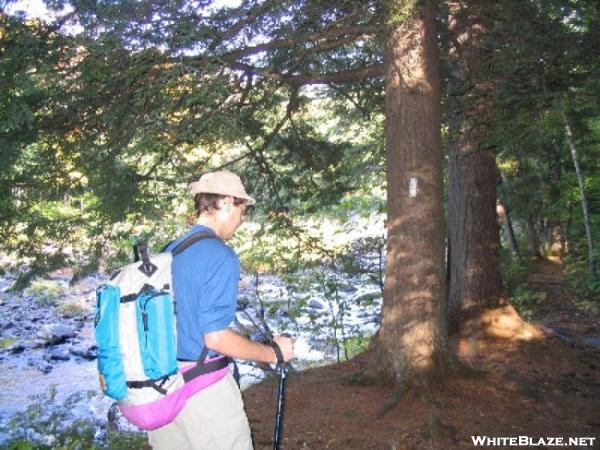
(229, 343)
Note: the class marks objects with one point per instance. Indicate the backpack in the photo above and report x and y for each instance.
(136, 335)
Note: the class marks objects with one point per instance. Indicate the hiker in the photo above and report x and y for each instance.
(205, 280)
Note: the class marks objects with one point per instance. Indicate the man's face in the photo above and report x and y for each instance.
(231, 216)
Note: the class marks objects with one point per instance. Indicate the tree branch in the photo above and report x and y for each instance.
(340, 77)
(332, 33)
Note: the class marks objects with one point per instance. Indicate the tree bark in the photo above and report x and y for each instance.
(584, 204)
(556, 173)
(475, 280)
(532, 237)
(510, 232)
(565, 242)
(412, 337)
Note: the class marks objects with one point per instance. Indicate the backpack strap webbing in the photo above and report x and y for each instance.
(155, 384)
(202, 367)
(191, 240)
(205, 367)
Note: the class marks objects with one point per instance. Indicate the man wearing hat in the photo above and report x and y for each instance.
(205, 280)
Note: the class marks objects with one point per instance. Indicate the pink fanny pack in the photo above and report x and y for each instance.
(160, 412)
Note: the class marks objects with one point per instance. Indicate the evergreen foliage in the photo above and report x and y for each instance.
(109, 109)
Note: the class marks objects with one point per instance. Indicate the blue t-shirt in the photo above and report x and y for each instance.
(205, 282)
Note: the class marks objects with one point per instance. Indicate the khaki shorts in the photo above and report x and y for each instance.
(213, 419)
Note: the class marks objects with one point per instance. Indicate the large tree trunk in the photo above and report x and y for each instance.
(412, 337)
(475, 280)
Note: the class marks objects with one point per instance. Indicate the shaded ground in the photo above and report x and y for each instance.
(547, 385)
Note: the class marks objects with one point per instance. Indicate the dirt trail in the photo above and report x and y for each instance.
(541, 387)
(559, 313)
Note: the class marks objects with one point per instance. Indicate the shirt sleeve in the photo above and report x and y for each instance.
(219, 299)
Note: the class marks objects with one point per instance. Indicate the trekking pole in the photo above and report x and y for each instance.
(282, 369)
(280, 404)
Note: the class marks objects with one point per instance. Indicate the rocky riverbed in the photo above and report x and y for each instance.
(46, 339)
(47, 343)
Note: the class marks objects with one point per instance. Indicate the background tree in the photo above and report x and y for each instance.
(475, 282)
(528, 127)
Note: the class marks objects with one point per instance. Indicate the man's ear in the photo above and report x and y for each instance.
(227, 202)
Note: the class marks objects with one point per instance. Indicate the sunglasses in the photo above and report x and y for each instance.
(247, 210)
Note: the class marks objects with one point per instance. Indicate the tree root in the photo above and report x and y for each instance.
(394, 399)
(458, 368)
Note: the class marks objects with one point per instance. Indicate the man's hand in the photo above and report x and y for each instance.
(286, 344)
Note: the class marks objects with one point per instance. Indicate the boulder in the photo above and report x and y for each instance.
(362, 314)
(17, 347)
(368, 298)
(44, 367)
(315, 304)
(39, 364)
(56, 333)
(84, 352)
(58, 354)
(347, 288)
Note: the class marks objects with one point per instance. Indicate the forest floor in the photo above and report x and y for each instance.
(542, 382)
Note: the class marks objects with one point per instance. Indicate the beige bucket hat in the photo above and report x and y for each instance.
(222, 182)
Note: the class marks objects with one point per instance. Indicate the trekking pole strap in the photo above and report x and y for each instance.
(278, 353)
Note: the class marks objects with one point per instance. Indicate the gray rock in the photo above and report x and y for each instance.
(56, 333)
(38, 343)
(282, 312)
(44, 367)
(376, 320)
(347, 287)
(367, 298)
(58, 354)
(242, 303)
(17, 347)
(315, 304)
(83, 352)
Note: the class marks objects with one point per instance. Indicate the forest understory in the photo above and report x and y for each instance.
(540, 379)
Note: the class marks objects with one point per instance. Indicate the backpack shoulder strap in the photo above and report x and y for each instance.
(191, 240)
